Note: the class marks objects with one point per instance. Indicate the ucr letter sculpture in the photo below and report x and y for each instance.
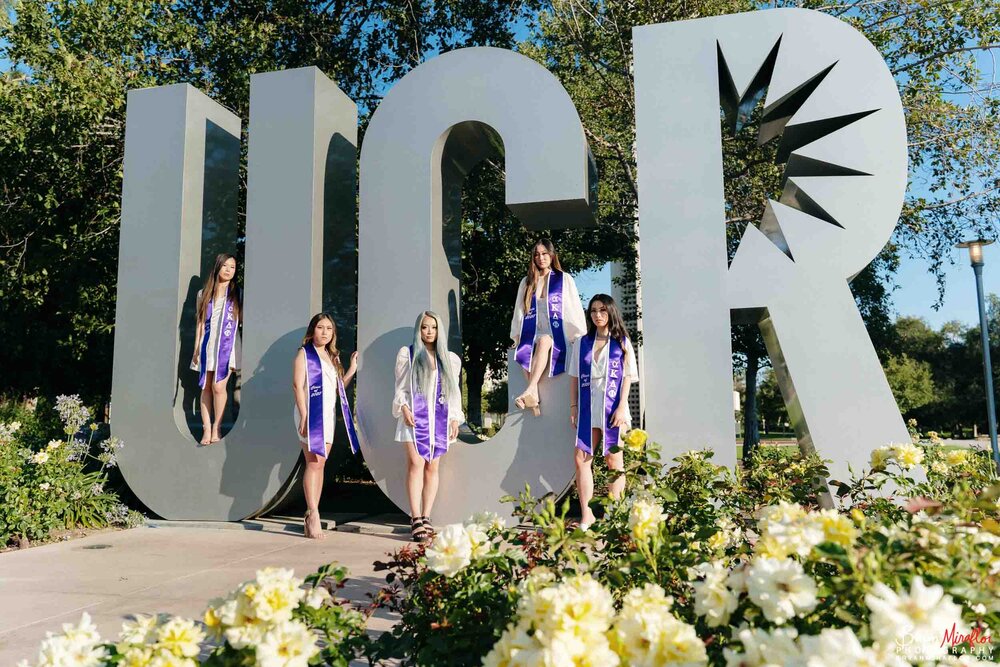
(833, 104)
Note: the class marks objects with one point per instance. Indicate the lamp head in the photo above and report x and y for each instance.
(975, 250)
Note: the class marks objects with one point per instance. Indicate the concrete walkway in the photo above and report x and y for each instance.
(176, 570)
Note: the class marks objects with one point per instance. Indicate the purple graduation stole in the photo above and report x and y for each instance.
(227, 337)
(526, 343)
(612, 397)
(314, 405)
(426, 448)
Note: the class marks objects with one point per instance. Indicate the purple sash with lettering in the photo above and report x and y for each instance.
(428, 448)
(314, 402)
(314, 405)
(526, 343)
(227, 338)
(612, 394)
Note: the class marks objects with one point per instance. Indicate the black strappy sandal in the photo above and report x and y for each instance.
(418, 529)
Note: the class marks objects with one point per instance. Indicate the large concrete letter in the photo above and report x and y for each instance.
(833, 105)
(432, 127)
(297, 117)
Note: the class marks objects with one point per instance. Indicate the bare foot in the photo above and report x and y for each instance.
(216, 435)
(206, 435)
(316, 527)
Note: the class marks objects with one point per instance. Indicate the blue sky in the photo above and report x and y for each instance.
(916, 289)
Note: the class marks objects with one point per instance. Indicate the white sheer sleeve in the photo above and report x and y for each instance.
(518, 318)
(455, 402)
(631, 367)
(573, 316)
(573, 367)
(402, 395)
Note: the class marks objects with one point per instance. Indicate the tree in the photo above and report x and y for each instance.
(911, 382)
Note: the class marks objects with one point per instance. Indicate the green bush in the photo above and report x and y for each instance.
(53, 472)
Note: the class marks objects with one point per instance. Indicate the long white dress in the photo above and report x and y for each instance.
(598, 378)
(574, 320)
(330, 395)
(402, 395)
(212, 354)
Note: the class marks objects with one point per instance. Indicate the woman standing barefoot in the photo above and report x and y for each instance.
(219, 310)
(318, 379)
(604, 363)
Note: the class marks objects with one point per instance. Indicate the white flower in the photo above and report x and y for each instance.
(40, 457)
(644, 518)
(44, 486)
(287, 644)
(487, 521)
(837, 648)
(645, 633)
(181, 637)
(908, 455)
(140, 630)
(781, 589)
(478, 540)
(764, 649)
(78, 645)
(924, 612)
(451, 550)
(54, 444)
(787, 529)
(316, 597)
(881, 457)
(712, 596)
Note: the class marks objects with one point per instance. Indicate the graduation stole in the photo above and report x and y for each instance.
(426, 448)
(227, 337)
(612, 393)
(526, 343)
(314, 404)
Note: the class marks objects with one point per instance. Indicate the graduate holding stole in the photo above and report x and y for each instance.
(320, 383)
(215, 355)
(603, 362)
(547, 320)
(428, 407)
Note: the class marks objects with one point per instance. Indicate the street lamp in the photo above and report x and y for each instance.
(976, 259)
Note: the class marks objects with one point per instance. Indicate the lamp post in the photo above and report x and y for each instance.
(976, 259)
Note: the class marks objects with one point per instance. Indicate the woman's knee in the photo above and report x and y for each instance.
(218, 389)
(615, 461)
(583, 459)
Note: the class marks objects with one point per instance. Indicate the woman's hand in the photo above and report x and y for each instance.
(408, 417)
(303, 426)
(354, 363)
(452, 429)
(620, 416)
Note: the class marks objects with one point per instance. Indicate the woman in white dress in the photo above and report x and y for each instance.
(547, 320)
(428, 407)
(603, 362)
(215, 355)
(318, 357)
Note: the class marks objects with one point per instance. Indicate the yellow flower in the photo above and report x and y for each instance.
(635, 440)
(881, 457)
(837, 528)
(54, 444)
(181, 637)
(644, 518)
(908, 455)
(939, 467)
(956, 457)
(934, 437)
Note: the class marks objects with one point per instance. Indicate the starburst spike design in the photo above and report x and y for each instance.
(775, 124)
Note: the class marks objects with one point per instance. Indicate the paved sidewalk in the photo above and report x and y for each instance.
(177, 570)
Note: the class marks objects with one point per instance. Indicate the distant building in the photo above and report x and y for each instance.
(629, 298)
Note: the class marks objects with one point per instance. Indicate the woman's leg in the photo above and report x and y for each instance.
(539, 362)
(219, 397)
(616, 463)
(584, 485)
(205, 404)
(312, 487)
(430, 486)
(414, 478)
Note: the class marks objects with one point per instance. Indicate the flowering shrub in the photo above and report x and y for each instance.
(51, 482)
(270, 621)
(701, 565)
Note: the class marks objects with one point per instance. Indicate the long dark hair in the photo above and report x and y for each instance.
(533, 273)
(331, 347)
(616, 324)
(208, 291)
